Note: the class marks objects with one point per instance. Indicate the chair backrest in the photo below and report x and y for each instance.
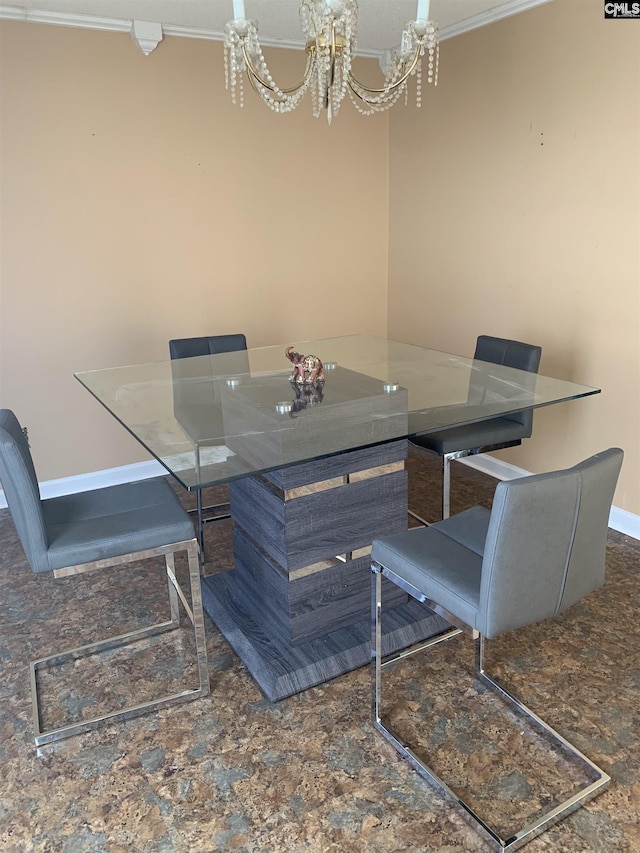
(208, 345)
(192, 381)
(514, 354)
(546, 542)
(20, 484)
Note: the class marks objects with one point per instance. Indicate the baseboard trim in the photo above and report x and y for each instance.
(97, 480)
(619, 519)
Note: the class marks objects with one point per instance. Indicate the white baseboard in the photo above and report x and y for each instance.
(97, 480)
(619, 519)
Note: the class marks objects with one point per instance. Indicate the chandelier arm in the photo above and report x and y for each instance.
(252, 82)
(330, 29)
(355, 84)
(255, 78)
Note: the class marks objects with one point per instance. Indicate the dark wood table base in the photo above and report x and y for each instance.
(297, 606)
(281, 669)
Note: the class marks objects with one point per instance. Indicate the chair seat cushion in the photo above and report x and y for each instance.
(472, 436)
(113, 521)
(442, 561)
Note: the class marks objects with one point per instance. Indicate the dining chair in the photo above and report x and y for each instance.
(538, 551)
(206, 345)
(91, 531)
(485, 436)
(197, 408)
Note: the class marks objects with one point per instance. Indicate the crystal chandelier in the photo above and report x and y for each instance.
(330, 29)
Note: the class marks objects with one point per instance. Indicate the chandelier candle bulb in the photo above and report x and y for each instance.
(423, 10)
(238, 10)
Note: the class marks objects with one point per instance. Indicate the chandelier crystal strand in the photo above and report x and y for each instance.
(367, 108)
(433, 51)
(330, 28)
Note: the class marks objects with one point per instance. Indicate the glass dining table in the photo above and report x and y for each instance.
(315, 472)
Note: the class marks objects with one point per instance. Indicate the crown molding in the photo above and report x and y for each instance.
(92, 22)
(504, 10)
(64, 19)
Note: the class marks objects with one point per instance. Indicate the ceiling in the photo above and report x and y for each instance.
(379, 21)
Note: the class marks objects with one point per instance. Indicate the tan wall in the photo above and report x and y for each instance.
(514, 211)
(138, 205)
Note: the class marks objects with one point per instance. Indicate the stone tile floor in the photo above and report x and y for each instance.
(233, 772)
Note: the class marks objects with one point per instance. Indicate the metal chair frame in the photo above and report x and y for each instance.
(176, 594)
(219, 511)
(600, 779)
(447, 459)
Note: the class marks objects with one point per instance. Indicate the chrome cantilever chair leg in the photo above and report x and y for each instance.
(194, 612)
(222, 511)
(447, 458)
(600, 781)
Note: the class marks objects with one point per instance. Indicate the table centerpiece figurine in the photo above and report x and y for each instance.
(307, 369)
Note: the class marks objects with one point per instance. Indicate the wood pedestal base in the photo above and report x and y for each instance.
(281, 669)
(297, 606)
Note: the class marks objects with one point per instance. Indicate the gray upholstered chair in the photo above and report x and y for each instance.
(539, 550)
(206, 345)
(93, 530)
(196, 405)
(485, 436)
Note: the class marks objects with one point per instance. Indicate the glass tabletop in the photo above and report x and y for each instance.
(215, 418)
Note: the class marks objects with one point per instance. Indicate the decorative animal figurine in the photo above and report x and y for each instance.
(307, 369)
